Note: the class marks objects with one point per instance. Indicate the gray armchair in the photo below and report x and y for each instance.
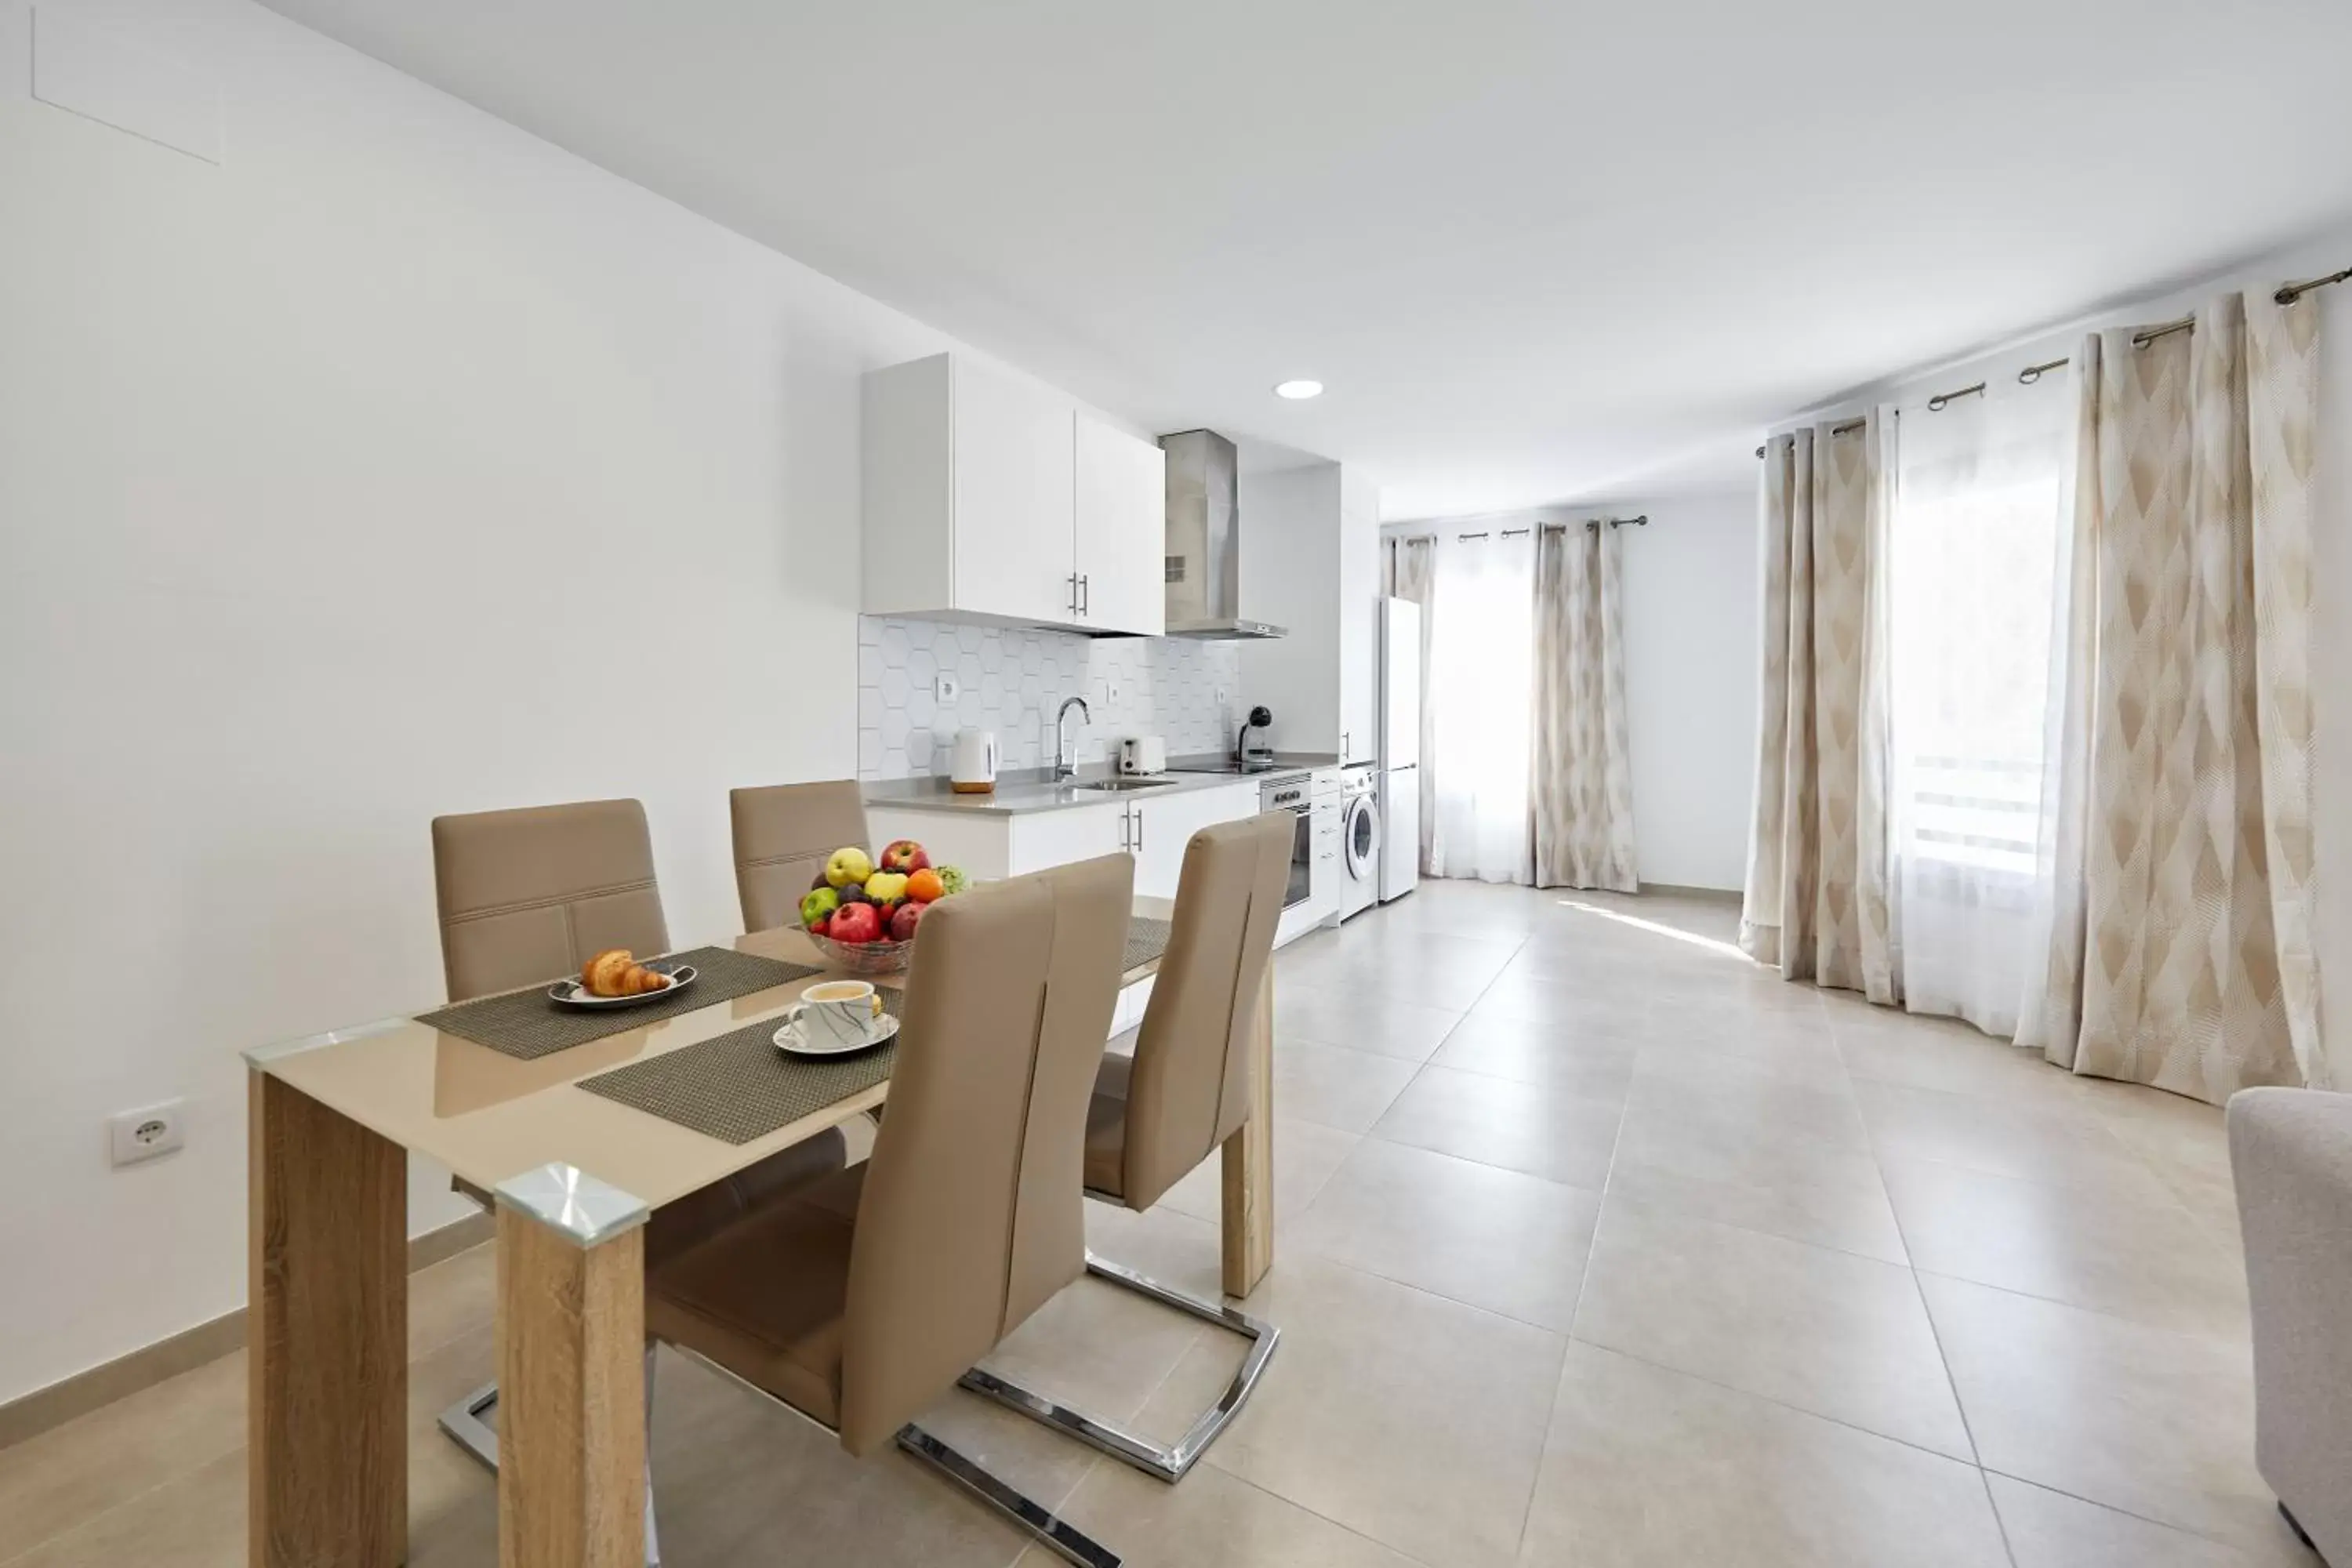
(2291, 1153)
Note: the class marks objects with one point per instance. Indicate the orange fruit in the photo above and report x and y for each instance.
(923, 886)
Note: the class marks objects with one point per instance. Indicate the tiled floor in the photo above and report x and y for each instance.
(1598, 1247)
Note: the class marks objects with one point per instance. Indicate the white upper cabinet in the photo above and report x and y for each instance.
(1122, 530)
(992, 498)
(1014, 497)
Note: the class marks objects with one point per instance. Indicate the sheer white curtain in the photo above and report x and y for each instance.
(1977, 570)
(1481, 700)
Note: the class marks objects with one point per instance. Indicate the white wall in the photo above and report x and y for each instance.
(1290, 561)
(399, 464)
(1691, 657)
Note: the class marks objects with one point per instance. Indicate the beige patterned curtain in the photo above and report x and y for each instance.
(1580, 782)
(1816, 900)
(1411, 567)
(2186, 961)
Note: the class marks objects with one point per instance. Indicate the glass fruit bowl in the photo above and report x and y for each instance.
(864, 958)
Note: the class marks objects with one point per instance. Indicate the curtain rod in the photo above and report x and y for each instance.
(2287, 294)
(1614, 522)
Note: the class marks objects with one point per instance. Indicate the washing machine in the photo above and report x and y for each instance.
(1359, 839)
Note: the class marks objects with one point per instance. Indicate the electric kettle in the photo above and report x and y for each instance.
(973, 771)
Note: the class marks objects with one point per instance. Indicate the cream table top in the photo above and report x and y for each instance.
(488, 1117)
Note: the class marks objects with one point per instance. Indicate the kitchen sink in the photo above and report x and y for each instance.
(1122, 786)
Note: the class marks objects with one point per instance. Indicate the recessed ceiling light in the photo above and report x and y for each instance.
(1296, 389)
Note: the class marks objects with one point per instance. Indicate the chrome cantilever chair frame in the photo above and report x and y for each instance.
(1025, 1514)
(1167, 1464)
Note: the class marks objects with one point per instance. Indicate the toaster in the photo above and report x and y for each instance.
(1143, 755)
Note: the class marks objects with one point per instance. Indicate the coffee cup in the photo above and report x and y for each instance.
(836, 1012)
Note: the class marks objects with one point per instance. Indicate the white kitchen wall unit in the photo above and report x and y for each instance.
(990, 497)
(1312, 564)
(1010, 679)
(1121, 526)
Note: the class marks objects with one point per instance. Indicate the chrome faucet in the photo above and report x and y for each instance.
(1068, 770)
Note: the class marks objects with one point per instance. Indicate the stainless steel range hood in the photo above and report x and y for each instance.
(1205, 557)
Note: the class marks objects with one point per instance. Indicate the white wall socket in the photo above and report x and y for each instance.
(946, 689)
(143, 1135)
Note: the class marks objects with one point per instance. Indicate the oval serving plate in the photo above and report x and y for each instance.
(788, 1040)
(572, 993)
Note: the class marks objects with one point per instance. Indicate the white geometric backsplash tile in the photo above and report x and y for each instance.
(1011, 680)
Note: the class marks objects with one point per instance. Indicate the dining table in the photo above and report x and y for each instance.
(332, 1118)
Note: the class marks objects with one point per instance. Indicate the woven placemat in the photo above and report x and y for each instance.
(526, 1026)
(1146, 940)
(738, 1086)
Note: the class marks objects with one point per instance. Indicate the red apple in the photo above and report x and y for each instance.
(855, 925)
(903, 855)
(904, 920)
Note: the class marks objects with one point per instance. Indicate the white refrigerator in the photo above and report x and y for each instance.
(1399, 759)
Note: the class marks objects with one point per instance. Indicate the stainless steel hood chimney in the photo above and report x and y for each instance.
(1204, 557)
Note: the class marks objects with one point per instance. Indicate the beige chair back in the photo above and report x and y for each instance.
(531, 895)
(1189, 1089)
(782, 835)
(972, 1216)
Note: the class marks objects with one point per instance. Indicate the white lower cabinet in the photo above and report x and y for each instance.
(1159, 828)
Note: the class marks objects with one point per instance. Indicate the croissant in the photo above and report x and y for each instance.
(616, 973)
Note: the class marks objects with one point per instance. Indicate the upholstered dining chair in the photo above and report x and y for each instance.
(1156, 1115)
(858, 1301)
(529, 895)
(783, 834)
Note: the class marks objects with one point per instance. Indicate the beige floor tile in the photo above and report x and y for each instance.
(1885, 1047)
(2060, 1145)
(68, 1477)
(1679, 1134)
(1590, 1068)
(1211, 1519)
(1305, 1155)
(1648, 1468)
(1337, 1088)
(1827, 1332)
(1400, 1415)
(1708, 1054)
(1362, 1020)
(1433, 968)
(1606, 1006)
(2153, 1421)
(2051, 1530)
(1096, 1347)
(1713, 1086)
(196, 1521)
(1494, 1238)
(1850, 1215)
(1529, 1127)
(452, 1299)
(2146, 1260)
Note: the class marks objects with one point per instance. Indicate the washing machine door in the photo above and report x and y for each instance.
(1360, 836)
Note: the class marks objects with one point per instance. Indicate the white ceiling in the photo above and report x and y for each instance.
(1536, 250)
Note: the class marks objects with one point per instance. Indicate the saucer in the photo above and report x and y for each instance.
(788, 1040)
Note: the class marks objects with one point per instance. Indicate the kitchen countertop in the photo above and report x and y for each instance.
(1020, 791)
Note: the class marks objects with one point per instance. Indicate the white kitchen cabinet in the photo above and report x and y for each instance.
(990, 497)
(1159, 826)
(1121, 530)
(1043, 838)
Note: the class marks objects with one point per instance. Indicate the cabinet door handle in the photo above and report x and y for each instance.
(1074, 593)
(1086, 596)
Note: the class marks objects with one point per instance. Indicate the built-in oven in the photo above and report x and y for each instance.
(1290, 795)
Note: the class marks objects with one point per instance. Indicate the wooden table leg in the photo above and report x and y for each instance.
(327, 1343)
(1248, 1228)
(572, 1381)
